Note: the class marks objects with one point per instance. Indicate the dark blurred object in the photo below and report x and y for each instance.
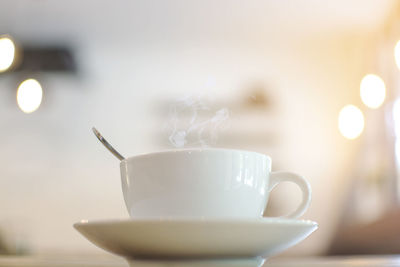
(257, 97)
(4, 250)
(45, 59)
(379, 237)
(13, 244)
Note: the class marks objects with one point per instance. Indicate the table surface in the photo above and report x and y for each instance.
(111, 261)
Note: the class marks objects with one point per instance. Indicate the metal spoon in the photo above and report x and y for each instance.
(107, 145)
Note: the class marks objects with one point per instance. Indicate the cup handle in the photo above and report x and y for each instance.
(278, 177)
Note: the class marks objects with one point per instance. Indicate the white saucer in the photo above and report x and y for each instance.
(191, 239)
(236, 262)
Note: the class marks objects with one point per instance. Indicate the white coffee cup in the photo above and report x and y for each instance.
(203, 183)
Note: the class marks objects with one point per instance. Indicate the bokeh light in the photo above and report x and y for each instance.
(351, 122)
(7, 53)
(29, 95)
(372, 91)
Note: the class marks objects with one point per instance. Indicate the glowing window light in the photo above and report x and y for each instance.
(372, 91)
(351, 122)
(29, 95)
(7, 53)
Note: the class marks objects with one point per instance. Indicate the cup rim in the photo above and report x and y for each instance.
(193, 150)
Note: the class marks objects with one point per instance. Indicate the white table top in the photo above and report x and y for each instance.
(349, 261)
(111, 261)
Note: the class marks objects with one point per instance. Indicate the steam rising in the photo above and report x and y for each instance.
(194, 123)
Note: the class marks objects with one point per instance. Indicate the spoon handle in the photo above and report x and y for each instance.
(107, 145)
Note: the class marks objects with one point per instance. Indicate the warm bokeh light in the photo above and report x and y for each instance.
(372, 91)
(397, 54)
(29, 95)
(351, 122)
(7, 53)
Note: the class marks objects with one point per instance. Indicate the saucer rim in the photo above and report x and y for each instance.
(186, 220)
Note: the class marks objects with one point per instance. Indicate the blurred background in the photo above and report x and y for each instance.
(314, 84)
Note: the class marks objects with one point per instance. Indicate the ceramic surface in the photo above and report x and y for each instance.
(196, 238)
(203, 183)
(250, 262)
